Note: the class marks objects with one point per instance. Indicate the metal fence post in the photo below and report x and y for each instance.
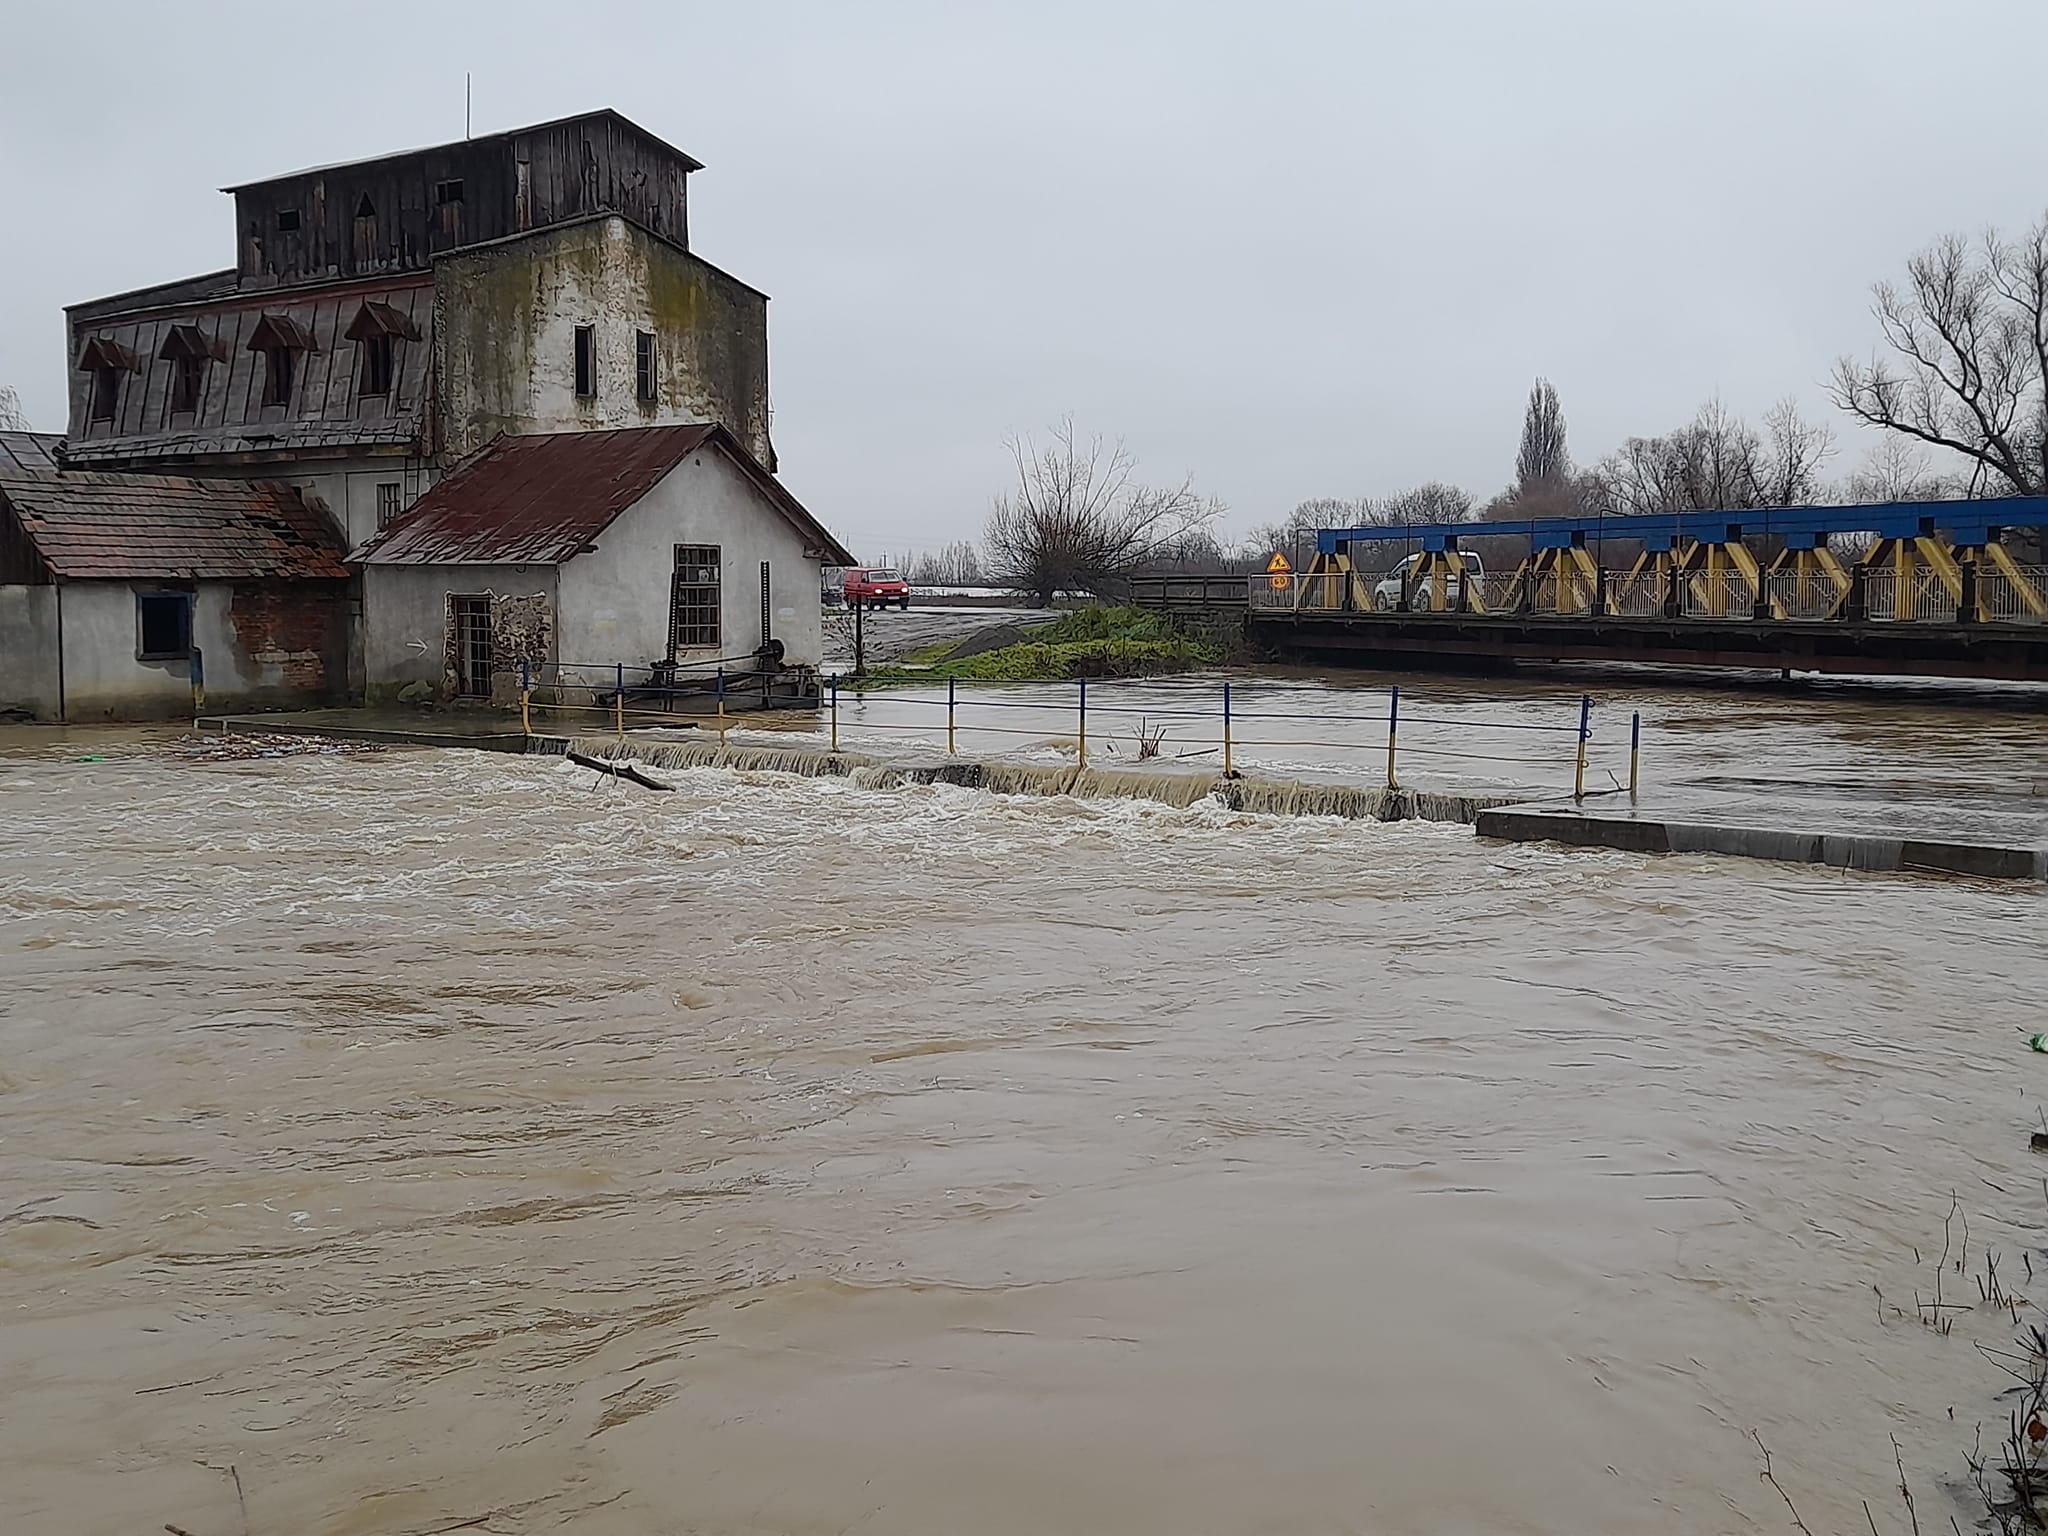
(1585, 730)
(525, 696)
(1228, 771)
(952, 742)
(619, 699)
(835, 711)
(1084, 723)
(721, 706)
(1393, 730)
(1635, 749)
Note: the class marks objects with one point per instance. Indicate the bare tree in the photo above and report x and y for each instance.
(1079, 520)
(1542, 464)
(1431, 502)
(1970, 330)
(1196, 550)
(1898, 469)
(957, 565)
(11, 417)
(1434, 501)
(1717, 462)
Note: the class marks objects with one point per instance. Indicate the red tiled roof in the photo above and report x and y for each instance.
(118, 527)
(542, 499)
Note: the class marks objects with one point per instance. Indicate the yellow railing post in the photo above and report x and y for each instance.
(619, 701)
(1635, 752)
(835, 711)
(525, 696)
(1083, 753)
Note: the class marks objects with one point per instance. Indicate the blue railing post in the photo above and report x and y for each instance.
(952, 742)
(1635, 750)
(721, 706)
(1083, 753)
(835, 711)
(525, 674)
(1585, 730)
(1393, 731)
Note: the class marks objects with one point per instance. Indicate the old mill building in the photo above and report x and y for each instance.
(386, 325)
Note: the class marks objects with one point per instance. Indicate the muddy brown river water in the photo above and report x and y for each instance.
(442, 1141)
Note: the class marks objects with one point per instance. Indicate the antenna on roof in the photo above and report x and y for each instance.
(465, 103)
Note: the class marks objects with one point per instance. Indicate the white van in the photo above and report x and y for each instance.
(1386, 597)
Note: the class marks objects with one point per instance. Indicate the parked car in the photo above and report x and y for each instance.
(1386, 597)
(875, 586)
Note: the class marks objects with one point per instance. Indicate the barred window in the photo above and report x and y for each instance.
(694, 598)
(387, 503)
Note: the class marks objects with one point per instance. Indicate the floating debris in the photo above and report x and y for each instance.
(241, 749)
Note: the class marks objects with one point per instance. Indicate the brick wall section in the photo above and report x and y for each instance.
(293, 635)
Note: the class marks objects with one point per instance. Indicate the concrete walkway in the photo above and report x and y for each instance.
(2006, 844)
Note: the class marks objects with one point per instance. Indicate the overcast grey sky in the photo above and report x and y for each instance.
(1296, 249)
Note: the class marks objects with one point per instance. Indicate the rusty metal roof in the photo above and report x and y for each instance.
(90, 526)
(543, 499)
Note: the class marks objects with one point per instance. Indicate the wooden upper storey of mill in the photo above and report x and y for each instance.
(395, 213)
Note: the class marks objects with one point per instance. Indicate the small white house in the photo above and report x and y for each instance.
(140, 597)
(668, 553)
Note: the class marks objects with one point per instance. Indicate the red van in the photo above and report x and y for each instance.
(875, 586)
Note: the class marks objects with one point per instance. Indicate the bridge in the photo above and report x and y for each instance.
(1936, 588)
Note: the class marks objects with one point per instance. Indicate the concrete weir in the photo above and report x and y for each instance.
(1639, 833)
(1275, 797)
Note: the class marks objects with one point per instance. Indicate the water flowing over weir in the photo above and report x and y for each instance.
(435, 1140)
(1259, 796)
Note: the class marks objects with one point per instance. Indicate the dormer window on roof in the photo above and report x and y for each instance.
(280, 339)
(189, 351)
(106, 361)
(375, 330)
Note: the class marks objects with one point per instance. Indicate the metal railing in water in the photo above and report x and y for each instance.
(1236, 717)
(611, 693)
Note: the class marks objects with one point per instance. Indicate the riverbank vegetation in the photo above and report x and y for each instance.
(1088, 642)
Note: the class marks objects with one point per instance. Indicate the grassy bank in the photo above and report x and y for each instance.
(1089, 642)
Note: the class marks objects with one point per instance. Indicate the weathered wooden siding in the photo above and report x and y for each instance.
(511, 182)
(600, 165)
(408, 227)
(325, 407)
